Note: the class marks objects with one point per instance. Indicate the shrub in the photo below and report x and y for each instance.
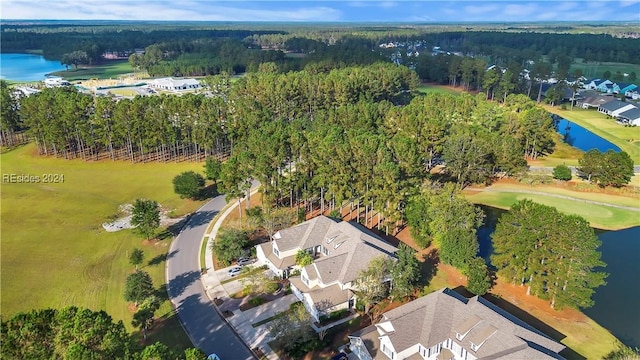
(189, 184)
(562, 172)
(335, 214)
(271, 287)
(257, 301)
(301, 215)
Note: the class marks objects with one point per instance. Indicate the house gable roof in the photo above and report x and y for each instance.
(632, 114)
(614, 105)
(350, 247)
(434, 318)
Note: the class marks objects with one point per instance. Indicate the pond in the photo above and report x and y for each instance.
(616, 303)
(581, 138)
(27, 67)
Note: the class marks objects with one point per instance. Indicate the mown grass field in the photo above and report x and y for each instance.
(107, 70)
(425, 88)
(54, 250)
(599, 216)
(597, 69)
(625, 137)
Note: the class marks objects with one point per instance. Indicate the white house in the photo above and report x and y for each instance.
(444, 325)
(171, 84)
(341, 250)
(631, 116)
(55, 82)
(614, 108)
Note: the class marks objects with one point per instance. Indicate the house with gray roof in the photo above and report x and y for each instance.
(592, 99)
(631, 117)
(340, 249)
(445, 325)
(615, 107)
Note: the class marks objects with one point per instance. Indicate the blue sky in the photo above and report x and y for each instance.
(347, 11)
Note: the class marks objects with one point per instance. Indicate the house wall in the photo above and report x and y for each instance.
(309, 305)
(262, 257)
(387, 348)
(408, 351)
(310, 282)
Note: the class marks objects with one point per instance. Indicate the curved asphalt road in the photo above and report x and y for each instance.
(202, 322)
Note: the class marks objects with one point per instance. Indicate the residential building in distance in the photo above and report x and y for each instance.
(171, 84)
(445, 325)
(340, 249)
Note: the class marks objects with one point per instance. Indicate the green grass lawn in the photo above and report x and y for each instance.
(107, 70)
(54, 249)
(600, 216)
(431, 88)
(626, 138)
(124, 92)
(596, 69)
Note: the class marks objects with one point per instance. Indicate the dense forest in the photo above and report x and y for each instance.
(500, 44)
(352, 133)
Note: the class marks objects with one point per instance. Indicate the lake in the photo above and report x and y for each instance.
(27, 67)
(581, 138)
(616, 303)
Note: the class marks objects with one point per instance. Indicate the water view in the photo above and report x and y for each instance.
(581, 138)
(615, 303)
(27, 67)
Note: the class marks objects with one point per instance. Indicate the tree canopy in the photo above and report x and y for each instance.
(555, 255)
(70, 332)
(229, 244)
(145, 216)
(405, 273)
(138, 287)
(188, 184)
(478, 278)
(610, 168)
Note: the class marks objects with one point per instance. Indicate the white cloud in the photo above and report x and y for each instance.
(164, 10)
(519, 10)
(481, 10)
(625, 3)
(388, 4)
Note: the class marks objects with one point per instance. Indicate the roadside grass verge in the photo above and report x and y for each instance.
(599, 216)
(55, 252)
(626, 138)
(108, 69)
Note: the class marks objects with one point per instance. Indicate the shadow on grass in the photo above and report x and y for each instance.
(529, 319)
(429, 267)
(167, 330)
(161, 258)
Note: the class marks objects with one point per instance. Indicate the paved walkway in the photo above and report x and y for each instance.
(241, 321)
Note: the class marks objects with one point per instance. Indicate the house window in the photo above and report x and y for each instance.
(275, 251)
(305, 280)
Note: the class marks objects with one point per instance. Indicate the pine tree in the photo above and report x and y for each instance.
(553, 254)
